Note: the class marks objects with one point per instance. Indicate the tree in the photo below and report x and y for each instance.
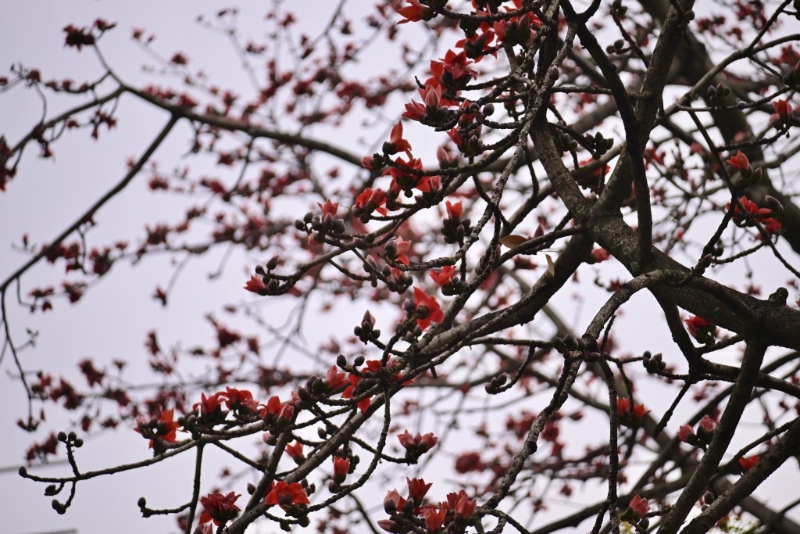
(641, 145)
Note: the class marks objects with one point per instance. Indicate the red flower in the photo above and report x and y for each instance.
(639, 506)
(782, 107)
(702, 330)
(627, 416)
(685, 432)
(429, 184)
(599, 254)
(393, 502)
(707, 424)
(445, 276)
(372, 366)
(295, 450)
(739, 162)
(211, 407)
(420, 443)
(427, 309)
(396, 250)
(752, 211)
(370, 201)
(453, 71)
(414, 111)
(166, 428)
(455, 210)
(434, 517)
(403, 175)
(414, 12)
(396, 142)
(287, 494)
(341, 466)
(255, 284)
(335, 379)
(219, 508)
(240, 399)
(417, 488)
(748, 462)
(461, 504)
(329, 208)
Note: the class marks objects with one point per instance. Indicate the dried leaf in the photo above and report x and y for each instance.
(551, 266)
(512, 240)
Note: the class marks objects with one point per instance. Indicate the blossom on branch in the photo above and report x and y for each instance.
(219, 507)
(426, 310)
(286, 494)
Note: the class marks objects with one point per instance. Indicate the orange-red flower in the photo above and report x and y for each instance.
(749, 462)
(702, 330)
(454, 210)
(396, 142)
(417, 488)
(444, 276)
(628, 416)
(414, 12)
(369, 201)
(255, 284)
(295, 450)
(427, 310)
(219, 508)
(639, 506)
(341, 466)
(739, 162)
(287, 494)
(165, 429)
(751, 213)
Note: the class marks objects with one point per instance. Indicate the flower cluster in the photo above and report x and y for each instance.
(411, 514)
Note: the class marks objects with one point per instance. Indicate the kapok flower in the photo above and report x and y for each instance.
(349, 392)
(255, 284)
(417, 488)
(639, 506)
(426, 309)
(707, 425)
(599, 255)
(444, 276)
(461, 504)
(369, 201)
(219, 508)
(702, 330)
(166, 428)
(627, 416)
(747, 463)
(341, 466)
(739, 162)
(414, 12)
(453, 72)
(434, 517)
(752, 213)
(417, 445)
(396, 142)
(335, 379)
(329, 208)
(286, 494)
(685, 433)
(240, 400)
(429, 184)
(396, 250)
(295, 450)
(211, 408)
(454, 210)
